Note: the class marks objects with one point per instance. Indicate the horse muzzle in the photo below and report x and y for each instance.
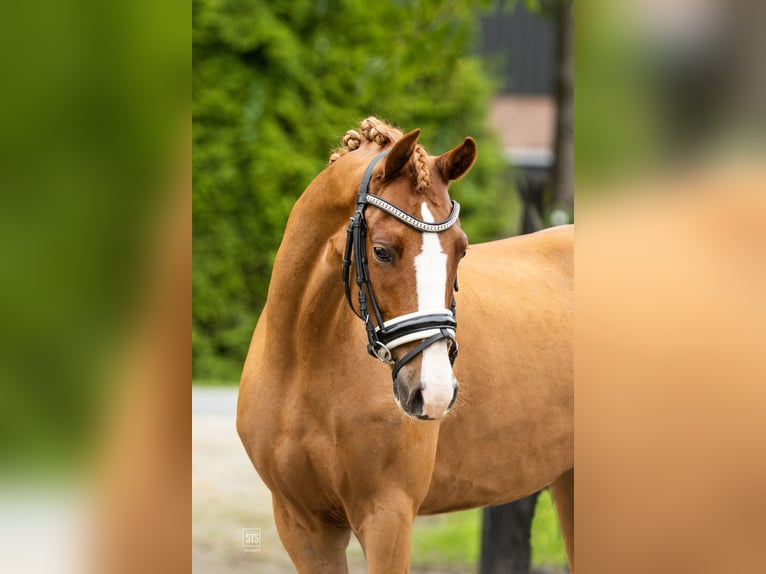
(427, 391)
(414, 403)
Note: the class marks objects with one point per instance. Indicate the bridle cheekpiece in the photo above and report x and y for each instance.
(427, 326)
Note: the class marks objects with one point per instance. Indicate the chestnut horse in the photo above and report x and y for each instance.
(316, 414)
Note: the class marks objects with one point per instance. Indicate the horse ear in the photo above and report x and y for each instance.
(455, 163)
(400, 154)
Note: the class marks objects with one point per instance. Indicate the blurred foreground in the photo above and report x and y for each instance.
(670, 282)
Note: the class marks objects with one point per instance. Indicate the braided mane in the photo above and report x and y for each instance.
(377, 131)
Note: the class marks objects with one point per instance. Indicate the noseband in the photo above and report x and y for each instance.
(428, 327)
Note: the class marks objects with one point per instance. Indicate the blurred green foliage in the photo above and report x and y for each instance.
(93, 113)
(616, 102)
(275, 86)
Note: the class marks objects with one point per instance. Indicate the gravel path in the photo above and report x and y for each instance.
(227, 494)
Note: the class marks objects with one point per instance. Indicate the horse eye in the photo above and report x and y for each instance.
(382, 254)
(463, 255)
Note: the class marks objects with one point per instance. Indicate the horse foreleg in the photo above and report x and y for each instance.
(562, 490)
(314, 545)
(384, 533)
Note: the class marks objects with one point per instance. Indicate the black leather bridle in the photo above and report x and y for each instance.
(428, 327)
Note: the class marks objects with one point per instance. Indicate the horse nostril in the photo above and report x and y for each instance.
(454, 398)
(416, 403)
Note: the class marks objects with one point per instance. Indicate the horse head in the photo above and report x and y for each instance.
(404, 244)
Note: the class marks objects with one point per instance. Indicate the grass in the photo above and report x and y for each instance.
(547, 545)
(447, 538)
(456, 538)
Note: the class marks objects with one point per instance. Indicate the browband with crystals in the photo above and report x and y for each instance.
(412, 221)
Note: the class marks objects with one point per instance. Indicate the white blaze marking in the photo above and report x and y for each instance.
(431, 277)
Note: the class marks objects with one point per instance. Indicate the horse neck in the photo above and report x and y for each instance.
(306, 293)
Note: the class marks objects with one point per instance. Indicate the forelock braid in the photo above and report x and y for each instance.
(422, 171)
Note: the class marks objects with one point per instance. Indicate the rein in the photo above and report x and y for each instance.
(427, 326)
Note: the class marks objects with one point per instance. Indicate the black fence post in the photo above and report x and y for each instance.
(505, 544)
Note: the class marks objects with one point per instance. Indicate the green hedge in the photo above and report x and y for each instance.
(275, 86)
